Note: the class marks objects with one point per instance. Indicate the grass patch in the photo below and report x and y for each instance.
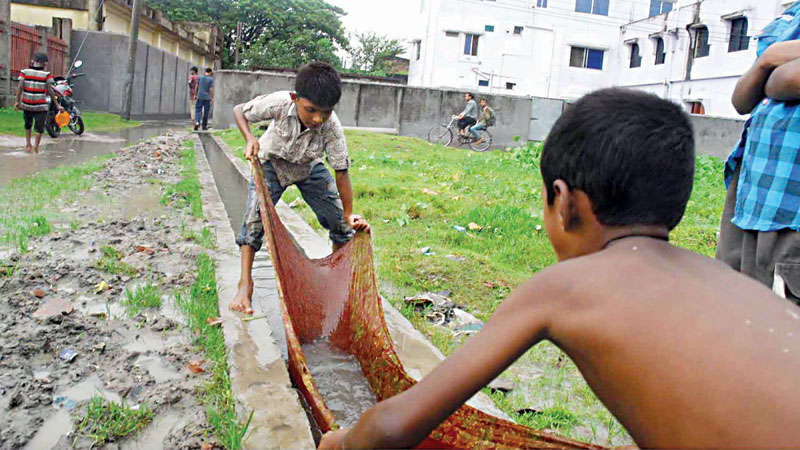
(109, 262)
(11, 122)
(186, 193)
(107, 421)
(201, 304)
(142, 297)
(27, 202)
(414, 193)
(203, 238)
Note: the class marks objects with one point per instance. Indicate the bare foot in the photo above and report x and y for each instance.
(242, 300)
(28, 148)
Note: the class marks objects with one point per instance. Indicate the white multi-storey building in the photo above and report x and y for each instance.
(687, 50)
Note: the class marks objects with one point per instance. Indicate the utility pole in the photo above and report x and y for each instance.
(136, 13)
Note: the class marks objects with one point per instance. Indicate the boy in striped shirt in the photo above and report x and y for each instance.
(35, 84)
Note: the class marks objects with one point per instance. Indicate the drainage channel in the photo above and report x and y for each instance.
(419, 357)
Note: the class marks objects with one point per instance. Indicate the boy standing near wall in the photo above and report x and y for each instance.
(192, 91)
(205, 98)
(303, 127)
(685, 352)
(760, 222)
(35, 85)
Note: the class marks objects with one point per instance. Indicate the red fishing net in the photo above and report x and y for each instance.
(337, 298)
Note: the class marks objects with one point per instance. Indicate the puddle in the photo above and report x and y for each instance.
(144, 340)
(57, 425)
(146, 199)
(69, 149)
(338, 377)
(153, 436)
(158, 368)
(86, 389)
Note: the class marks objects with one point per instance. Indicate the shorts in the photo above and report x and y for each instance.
(319, 191)
(38, 117)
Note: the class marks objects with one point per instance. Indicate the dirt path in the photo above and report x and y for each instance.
(114, 237)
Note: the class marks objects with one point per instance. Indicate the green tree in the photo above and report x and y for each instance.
(374, 53)
(282, 33)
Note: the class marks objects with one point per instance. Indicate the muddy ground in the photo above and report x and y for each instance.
(137, 359)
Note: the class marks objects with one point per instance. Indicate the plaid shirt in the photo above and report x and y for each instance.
(768, 193)
(293, 152)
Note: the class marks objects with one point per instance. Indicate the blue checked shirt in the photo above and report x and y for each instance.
(768, 193)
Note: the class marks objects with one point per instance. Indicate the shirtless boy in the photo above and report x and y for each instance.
(683, 350)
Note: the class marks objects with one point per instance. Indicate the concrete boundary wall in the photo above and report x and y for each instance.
(412, 111)
(160, 86)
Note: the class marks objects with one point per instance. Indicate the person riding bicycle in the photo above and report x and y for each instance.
(469, 116)
(487, 119)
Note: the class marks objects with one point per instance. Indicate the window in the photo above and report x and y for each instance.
(419, 49)
(636, 59)
(489, 28)
(510, 86)
(541, 3)
(696, 107)
(661, 54)
(739, 40)
(599, 7)
(660, 7)
(517, 30)
(587, 58)
(451, 33)
(471, 44)
(701, 46)
(483, 82)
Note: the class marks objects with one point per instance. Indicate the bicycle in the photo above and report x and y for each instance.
(443, 134)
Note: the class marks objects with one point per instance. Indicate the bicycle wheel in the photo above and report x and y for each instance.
(483, 143)
(440, 134)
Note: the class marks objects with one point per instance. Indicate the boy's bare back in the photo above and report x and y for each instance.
(682, 349)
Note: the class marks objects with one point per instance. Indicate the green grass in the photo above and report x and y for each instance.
(203, 238)
(201, 304)
(11, 122)
(413, 193)
(186, 193)
(142, 297)
(109, 262)
(107, 421)
(27, 209)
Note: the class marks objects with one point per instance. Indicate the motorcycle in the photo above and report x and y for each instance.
(63, 88)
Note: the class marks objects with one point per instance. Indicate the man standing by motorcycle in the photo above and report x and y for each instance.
(35, 84)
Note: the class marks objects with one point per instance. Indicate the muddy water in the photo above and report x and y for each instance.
(69, 149)
(339, 379)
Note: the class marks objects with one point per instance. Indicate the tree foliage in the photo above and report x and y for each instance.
(375, 53)
(281, 33)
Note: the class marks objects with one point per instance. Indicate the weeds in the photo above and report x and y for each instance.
(201, 304)
(110, 262)
(142, 297)
(204, 238)
(186, 193)
(107, 421)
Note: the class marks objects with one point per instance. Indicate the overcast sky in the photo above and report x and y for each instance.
(393, 18)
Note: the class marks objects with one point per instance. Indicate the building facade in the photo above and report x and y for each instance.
(689, 51)
(199, 43)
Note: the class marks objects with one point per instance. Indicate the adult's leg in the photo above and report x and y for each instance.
(198, 109)
(250, 239)
(322, 195)
(474, 130)
(206, 111)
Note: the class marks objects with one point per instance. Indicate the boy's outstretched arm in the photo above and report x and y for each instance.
(251, 143)
(355, 221)
(406, 419)
(751, 87)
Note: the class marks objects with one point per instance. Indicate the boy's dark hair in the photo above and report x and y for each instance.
(632, 153)
(471, 96)
(320, 83)
(208, 70)
(40, 57)
(193, 69)
(484, 100)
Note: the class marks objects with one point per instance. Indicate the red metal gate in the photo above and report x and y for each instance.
(25, 41)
